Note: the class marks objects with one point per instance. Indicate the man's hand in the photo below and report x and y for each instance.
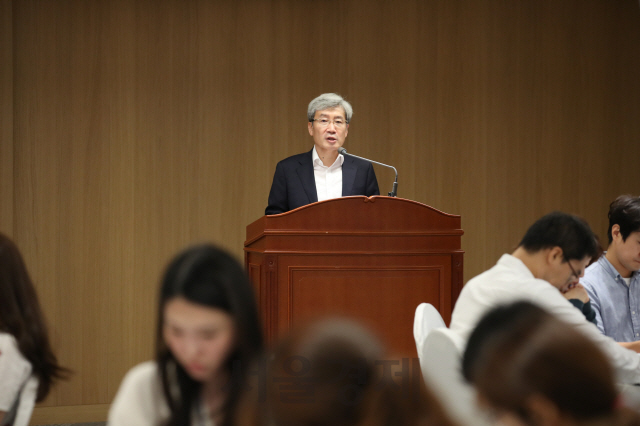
(576, 291)
(634, 346)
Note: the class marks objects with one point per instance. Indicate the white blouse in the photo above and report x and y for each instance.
(16, 380)
(141, 402)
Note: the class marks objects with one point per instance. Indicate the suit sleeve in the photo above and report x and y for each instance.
(372, 182)
(278, 202)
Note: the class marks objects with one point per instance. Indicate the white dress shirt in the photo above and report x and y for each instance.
(510, 280)
(328, 179)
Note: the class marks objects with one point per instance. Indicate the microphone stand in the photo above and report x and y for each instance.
(394, 191)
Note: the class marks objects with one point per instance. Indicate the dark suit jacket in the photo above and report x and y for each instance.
(294, 183)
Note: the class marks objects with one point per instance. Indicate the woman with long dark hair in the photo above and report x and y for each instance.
(207, 336)
(28, 366)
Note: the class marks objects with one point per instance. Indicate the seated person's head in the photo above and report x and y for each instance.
(533, 369)
(208, 330)
(568, 245)
(330, 372)
(624, 234)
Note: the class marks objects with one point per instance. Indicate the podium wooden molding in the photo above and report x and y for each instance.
(371, 258)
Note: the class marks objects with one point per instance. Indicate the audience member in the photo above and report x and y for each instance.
(207, 337)
(613, 282)
(28, 366)
(331, 373)
(550, 258)
(533, 369)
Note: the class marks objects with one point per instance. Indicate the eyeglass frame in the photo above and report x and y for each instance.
(573, 271)
(344, 124)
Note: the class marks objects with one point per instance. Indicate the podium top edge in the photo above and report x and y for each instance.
(365, 199)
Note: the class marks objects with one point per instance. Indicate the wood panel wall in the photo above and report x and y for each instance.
(133, 128)
(6, 118)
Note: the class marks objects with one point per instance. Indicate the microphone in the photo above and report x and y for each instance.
(394, 191)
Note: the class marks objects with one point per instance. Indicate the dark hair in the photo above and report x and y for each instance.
(557, 229)
(22, 317)
(208, 276)
(330, 373)
(624, 211)
(519, 350)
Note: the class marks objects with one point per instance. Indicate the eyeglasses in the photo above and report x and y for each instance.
(573, 271)
(339, 123)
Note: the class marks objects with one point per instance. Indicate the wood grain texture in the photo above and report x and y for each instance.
(6, 118)
(139, 127)
(61, 415)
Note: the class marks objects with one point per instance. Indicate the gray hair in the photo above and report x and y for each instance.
(326, 101)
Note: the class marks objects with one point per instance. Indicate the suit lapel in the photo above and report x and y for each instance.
(348, 175)
(305, 173)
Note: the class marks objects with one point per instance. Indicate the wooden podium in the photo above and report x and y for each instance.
(374, 259)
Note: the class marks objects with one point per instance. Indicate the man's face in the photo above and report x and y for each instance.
(329, 137)
(566, 273)
(627, 252)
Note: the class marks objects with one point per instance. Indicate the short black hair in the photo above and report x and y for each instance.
(496, 323)
(569, 232)
(520, 350)
(624, 211)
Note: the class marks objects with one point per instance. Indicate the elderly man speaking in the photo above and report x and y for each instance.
(322, 173)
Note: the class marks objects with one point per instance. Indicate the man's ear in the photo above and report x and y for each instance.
(310, 127)
(554, 254)
(615, 232)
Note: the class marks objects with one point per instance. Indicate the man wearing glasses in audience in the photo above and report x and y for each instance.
(613, 282)
(549, 260)
(322, 173)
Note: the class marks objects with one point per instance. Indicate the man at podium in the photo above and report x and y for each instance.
(322, 173)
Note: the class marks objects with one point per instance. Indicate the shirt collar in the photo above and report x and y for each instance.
(513, 262)
(610, 269)
(318, 162)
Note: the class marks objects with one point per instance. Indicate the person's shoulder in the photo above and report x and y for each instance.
(15, 369)
(139, 400)
(595, 267)
(7, 341)
(501, 271)
(594, 274)
(508, 278)
(295, 159)
(9, 349)
(143, 379)
(143, 373)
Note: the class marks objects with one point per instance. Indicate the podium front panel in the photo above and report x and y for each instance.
(377, 266)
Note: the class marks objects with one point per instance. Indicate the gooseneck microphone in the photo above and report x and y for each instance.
(394, 191)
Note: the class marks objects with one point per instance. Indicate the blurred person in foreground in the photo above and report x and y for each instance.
(28, 366)
(208, 334)
(331, 373)
(530, 368)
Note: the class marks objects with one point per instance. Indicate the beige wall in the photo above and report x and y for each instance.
(132, 128)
